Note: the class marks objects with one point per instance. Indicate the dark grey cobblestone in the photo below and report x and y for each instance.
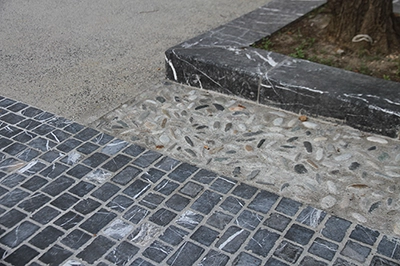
(85, 197)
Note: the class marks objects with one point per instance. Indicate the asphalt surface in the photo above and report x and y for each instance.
(82, 59)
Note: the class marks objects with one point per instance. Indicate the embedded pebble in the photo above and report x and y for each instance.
(248, 148)
(359, 217)
(343, 157)
(292, 139)
(300, 169)
(228, 127)
(164, 139)
(242, 127)
(377, 140)
(278, 121)
(308, 146)
(217, 125)
(331, 187)
(354, 166)
(328, 202)
(253, 174)
(236, 171)
(189, 141)
(219, 107)
(260, 143)
(319, 154)
(310, 125)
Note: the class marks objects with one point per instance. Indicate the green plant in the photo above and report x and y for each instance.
(364, 70)
(299, 53)
(386, 77)
(267, 44)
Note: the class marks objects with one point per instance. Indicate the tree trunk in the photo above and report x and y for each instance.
(363, 18)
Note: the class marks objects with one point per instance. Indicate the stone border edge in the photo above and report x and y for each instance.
(223, 61)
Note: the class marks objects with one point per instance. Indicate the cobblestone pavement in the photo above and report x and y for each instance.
(74, 195)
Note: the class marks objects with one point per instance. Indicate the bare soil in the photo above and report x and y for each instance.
(306, 39)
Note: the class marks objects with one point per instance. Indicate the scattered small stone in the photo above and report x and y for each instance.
(219, 107)
(372, 148)
(201, 107)
(374, 206)
(288, 146)
(308, 146)
(160, 99)
(300, 169)
(228, 127)
(253, 174)
(292, 139)
(189, 141)
(177, 99)
(303, 118)
(248, 148)
(328, 202)
(354, 166)
(260, 143)
(201, 127)
(236, 171)
(378, 140)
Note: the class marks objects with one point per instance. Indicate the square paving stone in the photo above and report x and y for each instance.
(44, 116)
(64, 201)
(166, 187)
(22, 256)
(245, 259)
(336, 228)
(355, 251)
(141, 262)
(15, 148)
(182, 172)
(28, 124)
(121, 254)
(191, 189)
(87, 148)
(288, 252)
(134, 150)
(98, 221)
(28, 155)
(45, 215)
(102, 139)
(105, 192)
(9, 131)
(43, 129)
(42, 144)
(309, 261)
(219, 220)
(146, 159)
(167, 164)
(204, 176)
(54, 170)
(86, 206)
(82, 188)
(74, 128)
(126, 175)
(232, 205)
(120, 203)
(19, 234)
(157, 251)
(69, 145)
(12, 218)
(96, 249)
(390, 247)
(379, 261)
(299, 234)
(13, 180)
(206, 202)
(244, 191)
(6, 102)
(162, 217)
(204, 235)
(311, 217)
(17, 107)
(58, 135)
(118, 229)
(55, 255)
(114, 147)
(31, 112)
(76, 239)
(152, 175)
(263, 201)
(173, 235)
(181, 258)
(136, 189)
(152, 200)
(46, 237)
(248, 220)
(223, 185)
(262, 242)
(189, 219)
(96, 159)
(79, 171)
(4, 142)
(214, 258)
(275, 262)
(288, 206)
(364, 235)
(342, 262)
(24, 137)
(136, 214)
(58, 185)
(232, 239)
(12, 118)
(34, 202)
(86, 134)
(116, 163)
(323, 249)
(68, 220)
(277, 221)
(177, 202)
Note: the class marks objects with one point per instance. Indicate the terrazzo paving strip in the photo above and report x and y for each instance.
(72, 195)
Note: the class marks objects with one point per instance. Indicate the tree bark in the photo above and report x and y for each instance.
(374, 18)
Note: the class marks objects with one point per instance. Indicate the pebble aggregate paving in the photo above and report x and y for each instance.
(76, 195)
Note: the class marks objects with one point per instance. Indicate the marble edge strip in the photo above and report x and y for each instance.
(221, 60)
